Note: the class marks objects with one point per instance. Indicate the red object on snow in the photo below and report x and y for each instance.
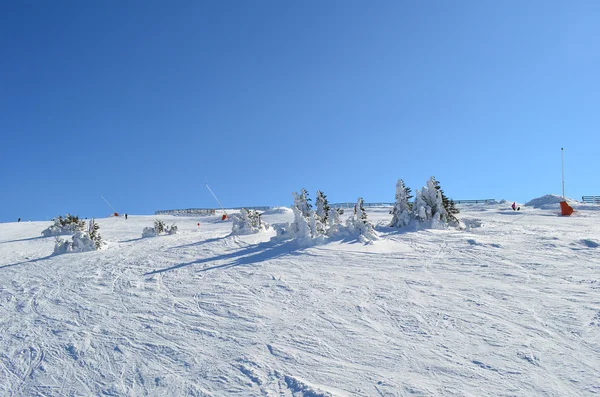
(224, 217)
(116, 214)
(565, 208)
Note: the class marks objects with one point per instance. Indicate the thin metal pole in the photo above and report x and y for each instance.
(211, 192)
(109, 204)
(562, 152)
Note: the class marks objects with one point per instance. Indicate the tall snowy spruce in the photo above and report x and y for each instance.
(448, 204)
(323, 209)
(402, 208)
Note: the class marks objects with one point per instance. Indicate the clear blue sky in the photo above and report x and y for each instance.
(146, 101)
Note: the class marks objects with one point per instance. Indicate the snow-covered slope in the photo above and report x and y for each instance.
(510, 306)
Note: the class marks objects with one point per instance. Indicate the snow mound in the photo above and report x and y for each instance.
(549, 201)
(277, 211)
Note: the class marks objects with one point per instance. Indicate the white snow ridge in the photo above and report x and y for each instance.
(507, 306)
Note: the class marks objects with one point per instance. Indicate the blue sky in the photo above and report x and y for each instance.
(145, 102)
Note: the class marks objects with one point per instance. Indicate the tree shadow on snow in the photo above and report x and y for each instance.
(24, 239)
(30, 261)
(131, 240)
(197, 243)
(254, 254)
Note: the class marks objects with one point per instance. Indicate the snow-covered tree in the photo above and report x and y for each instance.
(402, 208)
(420, 210)
(159, 226)
(83, 241)
(158, 229)
(247, 222)
(171, 230)
(67, 225)
(429, 206)
(322, 207)
(448, 204)
(333, 217)
(300, 228)
(94, 234)
(358, 223)
(302, 202)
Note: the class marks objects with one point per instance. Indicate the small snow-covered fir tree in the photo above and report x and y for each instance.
(358, 223)
(94, 234)
(333, 217)
(302, 202)
(171, 230)
(401, 210)
(159, 226)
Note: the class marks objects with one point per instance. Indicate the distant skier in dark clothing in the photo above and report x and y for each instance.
(515, 208)
(125, 216)
(19, 220)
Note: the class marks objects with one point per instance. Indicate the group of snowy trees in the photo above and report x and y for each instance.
(83, 240)
(158, 229)
(324, 221)
(430, 206)
(247, 222)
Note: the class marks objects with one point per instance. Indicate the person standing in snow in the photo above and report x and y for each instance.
(125, 216)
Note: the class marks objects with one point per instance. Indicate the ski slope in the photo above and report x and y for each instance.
(508, 307)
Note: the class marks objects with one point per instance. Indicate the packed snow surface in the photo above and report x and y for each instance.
(510, 306)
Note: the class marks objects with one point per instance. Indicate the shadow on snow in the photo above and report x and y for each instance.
(254, 254)
(24, 239)
(30, 261)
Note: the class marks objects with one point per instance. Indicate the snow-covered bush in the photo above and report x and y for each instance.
(359, 224)
(67, 225)
(333, 216)
(402, 208)
(158, 229)
(247, 222)
(171, 229)
(149, 232)
(83, 241)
